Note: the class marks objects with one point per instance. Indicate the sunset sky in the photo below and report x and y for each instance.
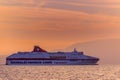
(56, 24)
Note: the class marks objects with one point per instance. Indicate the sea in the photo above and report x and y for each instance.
(64, 72)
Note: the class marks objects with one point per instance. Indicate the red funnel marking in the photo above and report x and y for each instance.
(38, 49)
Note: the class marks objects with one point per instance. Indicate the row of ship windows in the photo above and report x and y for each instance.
(81, 60)
(90, 61)
(48, 62)
(31, 62)
(51, 62)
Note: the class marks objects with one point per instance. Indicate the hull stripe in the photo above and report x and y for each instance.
(45, 59)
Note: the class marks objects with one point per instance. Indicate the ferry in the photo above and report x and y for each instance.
(40, 56)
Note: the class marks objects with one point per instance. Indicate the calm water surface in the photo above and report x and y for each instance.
(96, 72)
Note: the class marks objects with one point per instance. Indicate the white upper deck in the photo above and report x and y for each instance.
(40, 53)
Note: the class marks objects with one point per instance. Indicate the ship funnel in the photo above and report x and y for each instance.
(38, 49)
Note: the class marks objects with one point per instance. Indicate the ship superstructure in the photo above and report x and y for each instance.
(40, 56)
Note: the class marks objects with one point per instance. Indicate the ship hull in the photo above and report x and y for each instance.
(41, 57)
(51, 62)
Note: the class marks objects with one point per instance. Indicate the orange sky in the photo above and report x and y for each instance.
(56, 24)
